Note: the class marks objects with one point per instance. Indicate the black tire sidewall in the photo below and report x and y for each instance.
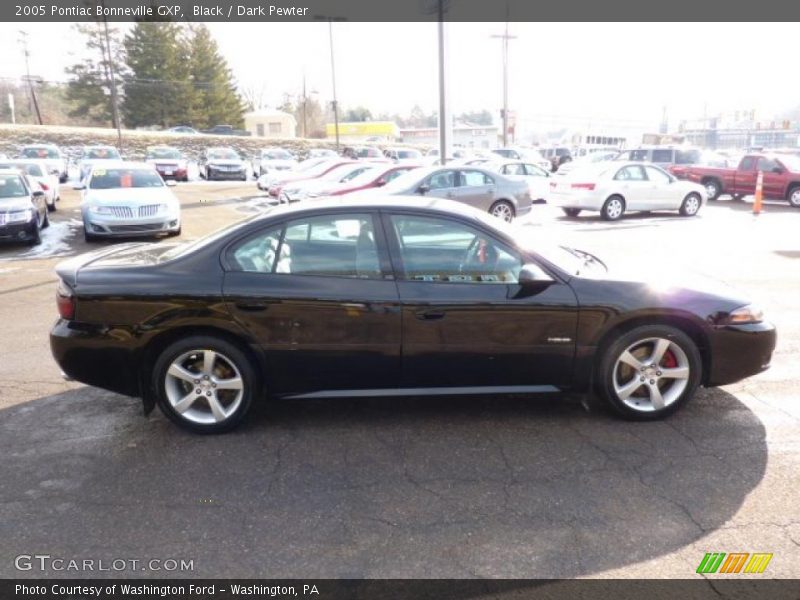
(506, 203)
(605, 369)
(683, 210)
(232, 352)
(604, 209)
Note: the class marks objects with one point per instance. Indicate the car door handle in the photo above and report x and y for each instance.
(429, 315)
(251, 306)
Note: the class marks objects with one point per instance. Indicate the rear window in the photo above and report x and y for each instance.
(40, 153)
(104, 179)
(163, 153)
(103, 153)
(223, 155)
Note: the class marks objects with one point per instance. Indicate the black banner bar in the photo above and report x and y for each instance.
(398, 10)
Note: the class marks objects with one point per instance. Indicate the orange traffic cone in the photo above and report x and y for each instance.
(759, 193)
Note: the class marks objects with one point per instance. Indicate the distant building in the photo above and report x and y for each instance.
(464, 136)
(270, 124)
(364, 131)
(725, 133)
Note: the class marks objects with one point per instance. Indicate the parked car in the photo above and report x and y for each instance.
(318, 170)
(662, 156)
(708, 158)
(557, 156)
(222, 163)
(183, 129)
(273, 159)
(781, 178)
(374, 177)
(532, 155)
(587, 160)
(303, 188)
(403, 155)
(362, 152)
(23, 210)
(94, 155)
(37, 171)
(321, 153)
(226, 130)
(392, 297)
(538, 179)
(169, 162)
(53, 156)
(126, 199)
(268, 179)
(481, 188)
(617, 187)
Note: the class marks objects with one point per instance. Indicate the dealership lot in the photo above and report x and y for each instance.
(511, 487)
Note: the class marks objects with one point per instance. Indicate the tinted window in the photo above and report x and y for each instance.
(748, 163)
(638, 155)
(687, 157)
(40, 153)
(441, 180)
(766, 164)
(657, 175)
(475, 178)
(11, 186)
(258, 253)
(445, 251)
(335, 245)
(104, 179)
(103, 153)
(662, 156)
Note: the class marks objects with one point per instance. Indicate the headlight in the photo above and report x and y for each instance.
(20, 216)
(101, 210)
(746, 314)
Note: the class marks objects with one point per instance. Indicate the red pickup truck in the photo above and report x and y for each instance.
(781, 177)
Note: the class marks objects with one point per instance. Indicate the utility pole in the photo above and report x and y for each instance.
(112, 83)
(444, 114)
(333, 77)
(505, 37)
(23, 38)
(305, 101)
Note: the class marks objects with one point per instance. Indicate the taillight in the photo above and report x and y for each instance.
(583, 186)
(65, 301)
(44, 186)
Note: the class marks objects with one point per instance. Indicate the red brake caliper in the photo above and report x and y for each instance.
(669, 361)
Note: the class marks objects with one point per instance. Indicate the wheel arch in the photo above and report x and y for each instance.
(156, 345)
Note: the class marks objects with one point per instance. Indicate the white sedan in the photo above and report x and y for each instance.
(538, 179)
(613, 188)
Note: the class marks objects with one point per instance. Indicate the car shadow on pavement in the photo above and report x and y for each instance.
(746, 205)
(423, 488)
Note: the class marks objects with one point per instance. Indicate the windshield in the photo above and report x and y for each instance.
(11, 186)
(276, 155)
(365, 177)
(790, 162)
(103, 153)
(39, 152)
(105, 179)
(163, 153)
(223, 154)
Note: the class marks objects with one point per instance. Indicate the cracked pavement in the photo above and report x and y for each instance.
(426, 488)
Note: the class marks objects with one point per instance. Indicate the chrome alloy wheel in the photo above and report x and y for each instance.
(651, 374)
(204, 386)
(691, 205)
(503, 211)
(614, 208)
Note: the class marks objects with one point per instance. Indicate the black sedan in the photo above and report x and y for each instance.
(395, 297)
(23, 208)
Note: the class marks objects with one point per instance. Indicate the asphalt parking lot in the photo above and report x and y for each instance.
(431, 488)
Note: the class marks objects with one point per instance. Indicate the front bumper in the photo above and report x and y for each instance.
(21, 232)
(739, 351)
(219, 174)
(95, 356)
(100, 225)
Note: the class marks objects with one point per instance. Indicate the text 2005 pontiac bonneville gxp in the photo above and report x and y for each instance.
(387, 298)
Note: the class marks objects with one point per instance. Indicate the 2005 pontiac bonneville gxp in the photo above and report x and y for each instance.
(393, 297)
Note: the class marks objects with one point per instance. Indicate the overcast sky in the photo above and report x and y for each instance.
(586, 73)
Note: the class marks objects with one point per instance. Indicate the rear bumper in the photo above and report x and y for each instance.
(95, 356)
(740, 351)
(172, 173)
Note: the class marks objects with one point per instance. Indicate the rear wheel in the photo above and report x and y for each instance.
(503, 209)
(613, 208)
(571, 212)
(713, 188)
(204, 383)
(649, 372)
(690, 205)
(794, 196)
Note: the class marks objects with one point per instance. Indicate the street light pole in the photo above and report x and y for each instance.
(24, 40)
(505, 37)
(112, 83)
(333, 77)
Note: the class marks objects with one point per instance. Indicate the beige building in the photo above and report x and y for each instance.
(270, 124)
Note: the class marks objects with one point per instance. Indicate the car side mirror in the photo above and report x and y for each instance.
(423, 189)
(38, 194)
(381, 182)
(79, 186)
(533, 274)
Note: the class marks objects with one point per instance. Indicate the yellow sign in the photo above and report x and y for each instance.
(387, 129)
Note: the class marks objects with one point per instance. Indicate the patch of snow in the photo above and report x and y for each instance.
(54, 240)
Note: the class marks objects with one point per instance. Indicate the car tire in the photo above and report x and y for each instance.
(633, 372)
(503, 209)
(37, 234)
(713, 188)
(571, 212)
(52, 207)
(691, 205)
(613, 208)
(88, 237)
(175, 233)
(738, 197)
(202, 363)
(46, 220)
(793, 196)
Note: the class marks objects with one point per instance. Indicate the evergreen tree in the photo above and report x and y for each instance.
(214, 99)
(89, 87)
(158, 90)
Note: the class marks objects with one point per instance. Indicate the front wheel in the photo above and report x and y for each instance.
(613, 208)
(571, 212)
(649, 372)
(690, 205)
(502, 210)
(204, 384)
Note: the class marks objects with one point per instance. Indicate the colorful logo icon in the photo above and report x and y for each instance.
(735, 562)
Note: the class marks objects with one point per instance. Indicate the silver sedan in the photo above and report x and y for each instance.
(482, 188)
